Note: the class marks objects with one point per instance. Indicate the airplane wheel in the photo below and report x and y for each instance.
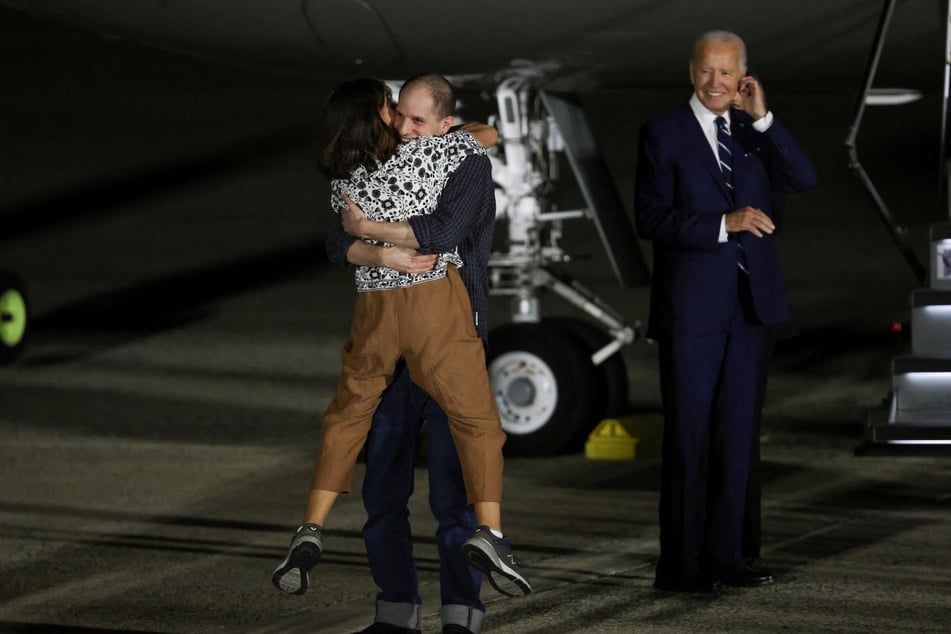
(543, 384)
(14, 316)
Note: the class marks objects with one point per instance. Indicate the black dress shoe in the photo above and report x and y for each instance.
(692, 584)
(747, 576)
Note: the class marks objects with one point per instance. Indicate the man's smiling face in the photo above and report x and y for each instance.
(416, 115)
(715, 72)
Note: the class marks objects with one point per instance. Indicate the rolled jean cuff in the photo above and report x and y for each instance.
(456, 614)
(400, 614)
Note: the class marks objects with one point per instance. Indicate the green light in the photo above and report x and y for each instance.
(12, 317)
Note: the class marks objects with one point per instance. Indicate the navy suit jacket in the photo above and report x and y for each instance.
(680, 196)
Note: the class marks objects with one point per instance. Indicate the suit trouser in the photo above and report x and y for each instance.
(387, 487)
(709, 390)
(752, 521)
(430, 325)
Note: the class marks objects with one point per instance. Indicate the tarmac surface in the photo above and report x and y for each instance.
(157, 435)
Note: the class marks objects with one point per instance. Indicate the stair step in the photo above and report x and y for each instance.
(919, 411)
(933, 429)
(931, 323)
(921, 388)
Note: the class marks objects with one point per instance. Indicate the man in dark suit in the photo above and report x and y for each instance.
(706, 175)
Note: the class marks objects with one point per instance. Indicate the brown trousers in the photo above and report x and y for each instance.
(430, 325)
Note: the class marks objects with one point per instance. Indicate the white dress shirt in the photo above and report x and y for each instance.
(708, 123)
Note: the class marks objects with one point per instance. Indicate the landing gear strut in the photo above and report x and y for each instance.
(554, 378)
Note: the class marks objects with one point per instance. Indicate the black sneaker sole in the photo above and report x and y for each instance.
(301, 560)
(503, 581)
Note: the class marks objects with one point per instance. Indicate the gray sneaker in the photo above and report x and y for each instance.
(293, 575)
(492, 556)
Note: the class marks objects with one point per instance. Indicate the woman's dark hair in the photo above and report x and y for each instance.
(352, 132)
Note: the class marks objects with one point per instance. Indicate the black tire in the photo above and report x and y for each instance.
(542, 381)
(612, 387)
(14, 316)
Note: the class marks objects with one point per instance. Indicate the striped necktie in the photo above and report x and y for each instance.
(725, 157)
(725, 151)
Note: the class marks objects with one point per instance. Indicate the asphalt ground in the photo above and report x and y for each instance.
(157, 435)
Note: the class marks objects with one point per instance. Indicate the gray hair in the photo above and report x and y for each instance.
(720, 37)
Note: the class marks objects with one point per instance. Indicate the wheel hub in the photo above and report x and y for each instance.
(521, 392)
(526, 391)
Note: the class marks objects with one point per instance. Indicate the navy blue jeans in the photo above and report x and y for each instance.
(387, 487)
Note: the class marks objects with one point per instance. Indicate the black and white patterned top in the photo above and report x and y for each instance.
(408, 184)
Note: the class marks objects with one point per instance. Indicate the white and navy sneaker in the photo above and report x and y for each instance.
(492, 556)
(293, 575)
